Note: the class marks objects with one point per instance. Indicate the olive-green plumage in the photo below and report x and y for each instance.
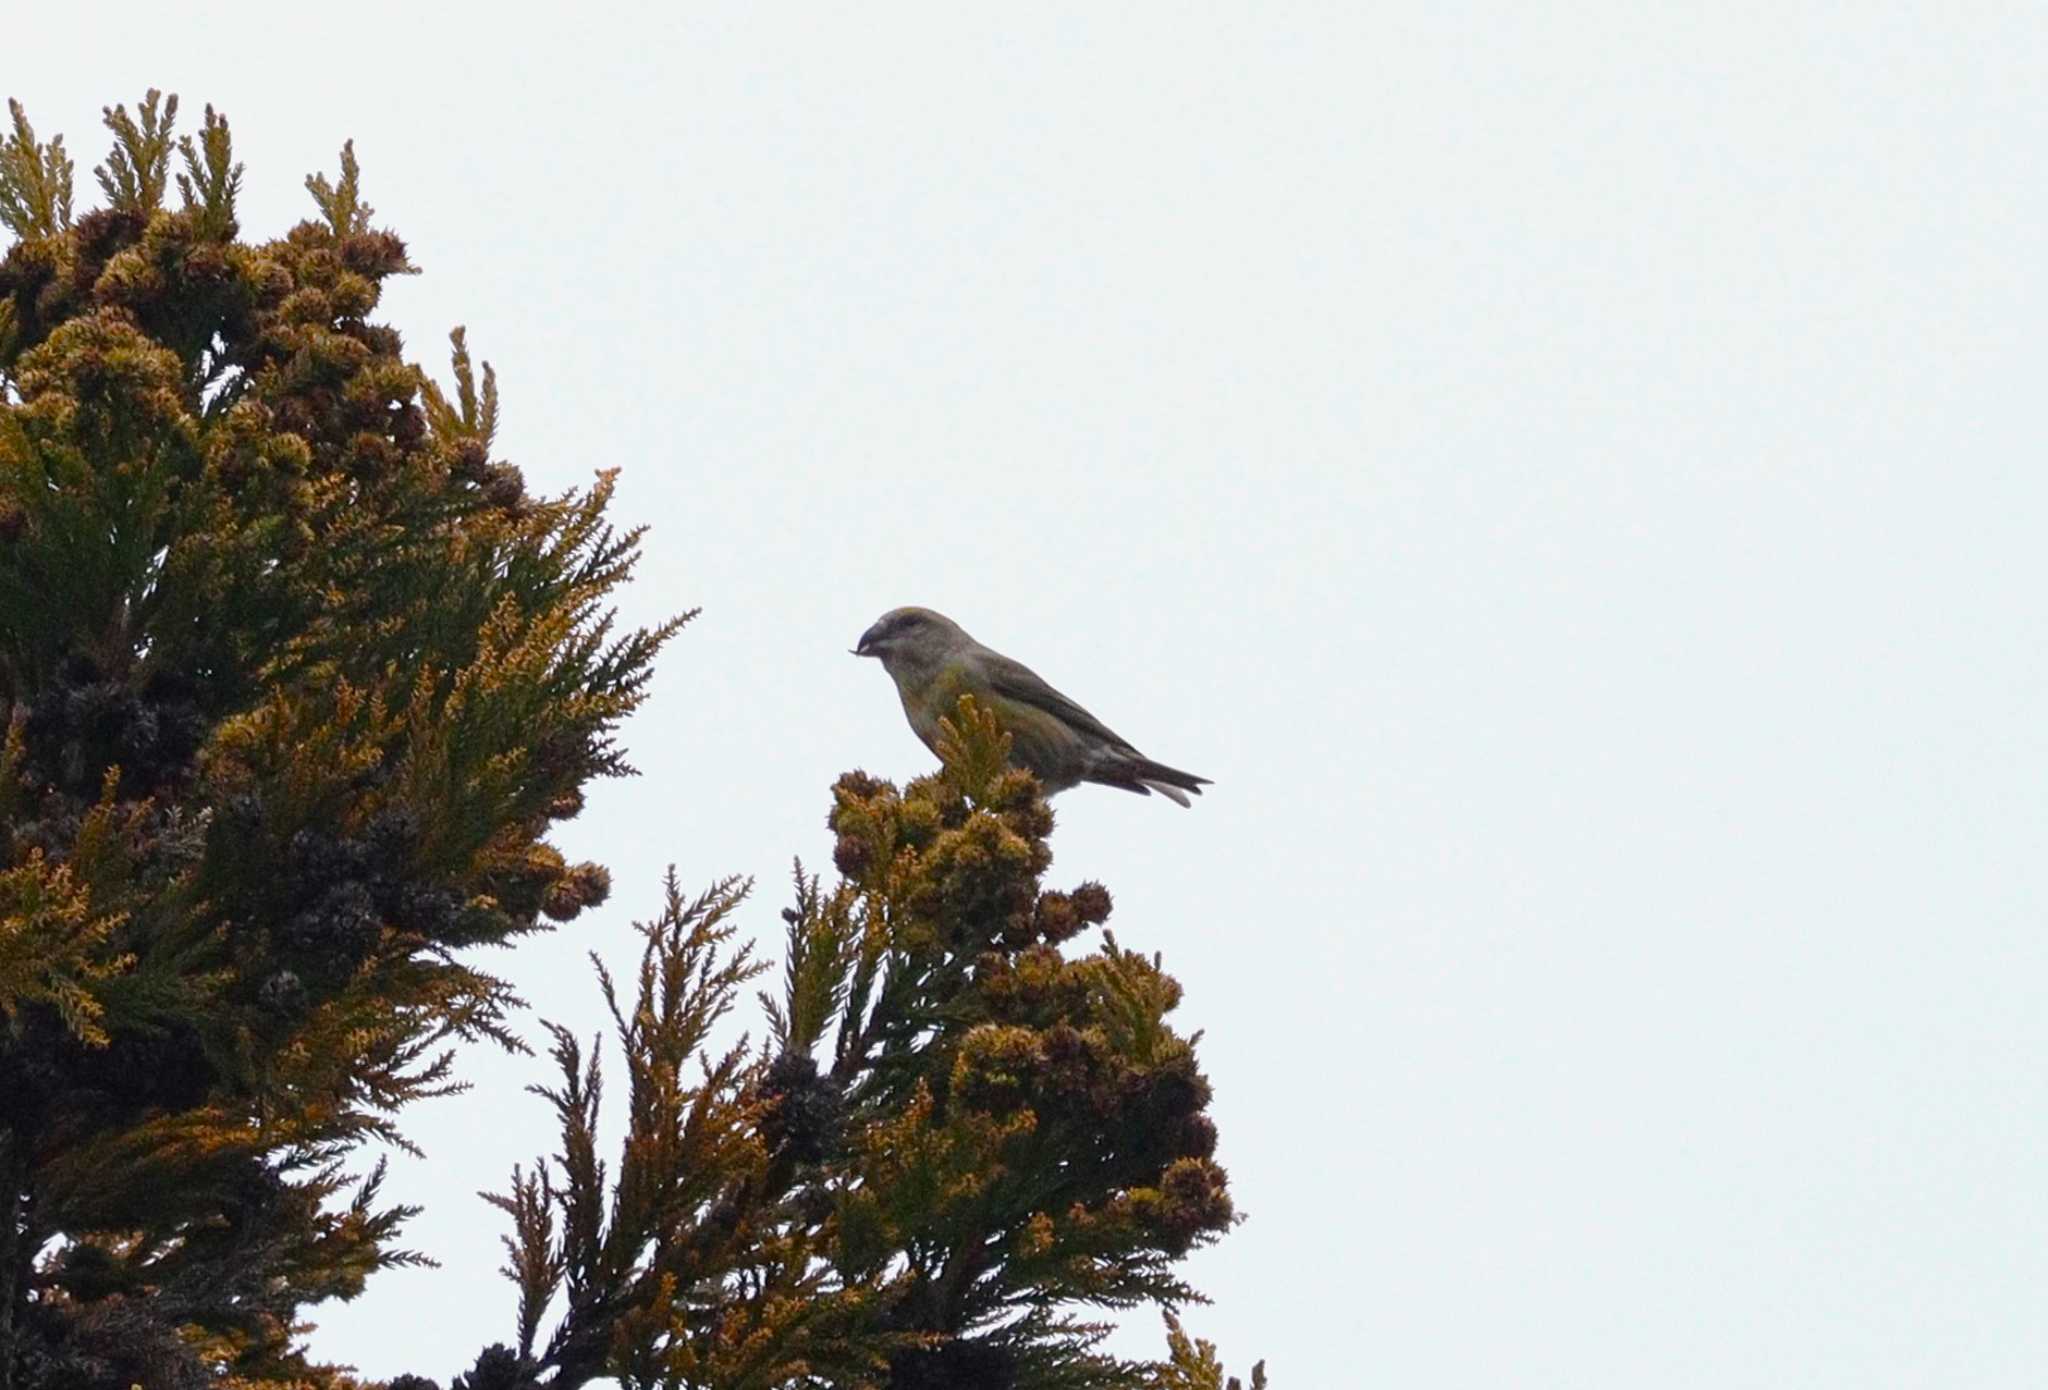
(934, 663)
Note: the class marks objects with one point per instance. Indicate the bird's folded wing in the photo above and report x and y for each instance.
(1015, 681)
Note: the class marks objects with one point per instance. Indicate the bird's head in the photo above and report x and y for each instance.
(911, 637)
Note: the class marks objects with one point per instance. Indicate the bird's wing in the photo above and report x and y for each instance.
(1016, 681)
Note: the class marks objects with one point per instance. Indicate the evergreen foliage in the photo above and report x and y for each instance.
(294, 678)
(1191, 1364)
(954, 1141)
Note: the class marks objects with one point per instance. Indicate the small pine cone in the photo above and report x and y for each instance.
(375, 254)
(1091, 903)
(504, 486)
(272, 282)
(338, 933)
(1197, 1137)
(318, 862)
(809, 1113)
(391, 837)
(385, 341)
(1197, 1198)
(858, 785)
(207, 264)
(583, 886)
(998, 1068)
(101, 235)
(1057, 918)
(408, 423)
(472, 461)
(371, 456)
(428, 911)
(852, 856)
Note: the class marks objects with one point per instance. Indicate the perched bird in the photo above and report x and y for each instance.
(934, 663)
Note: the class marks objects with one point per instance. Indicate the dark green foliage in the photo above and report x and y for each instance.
(498, 1368)
(953, 1365)
(1003, 1135)
(293, 681)
(1191, 1364)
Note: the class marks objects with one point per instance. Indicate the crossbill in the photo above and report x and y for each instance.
(934, 663)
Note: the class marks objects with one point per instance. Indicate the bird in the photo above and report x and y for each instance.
(934, 662)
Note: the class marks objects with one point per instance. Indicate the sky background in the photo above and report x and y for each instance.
(1571, 474)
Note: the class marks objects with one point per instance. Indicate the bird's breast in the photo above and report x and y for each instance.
(930, 697)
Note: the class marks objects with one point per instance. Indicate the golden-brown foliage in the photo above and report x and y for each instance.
(294, 680)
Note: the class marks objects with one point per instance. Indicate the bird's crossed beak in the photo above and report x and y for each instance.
(866, 645)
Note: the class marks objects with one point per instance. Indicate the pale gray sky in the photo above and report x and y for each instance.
(1571, 474)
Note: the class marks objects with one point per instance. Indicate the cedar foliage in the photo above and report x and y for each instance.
(294, 679)
(953, 1137)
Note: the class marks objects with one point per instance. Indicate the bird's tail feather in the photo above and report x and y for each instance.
(1171, 793)
(1143, 776)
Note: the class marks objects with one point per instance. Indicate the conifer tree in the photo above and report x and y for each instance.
(294, 679)
(956, 1140)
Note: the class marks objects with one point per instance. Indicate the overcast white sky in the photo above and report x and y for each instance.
(1572, 474)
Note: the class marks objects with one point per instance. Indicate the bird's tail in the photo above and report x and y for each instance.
(1143, 776)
